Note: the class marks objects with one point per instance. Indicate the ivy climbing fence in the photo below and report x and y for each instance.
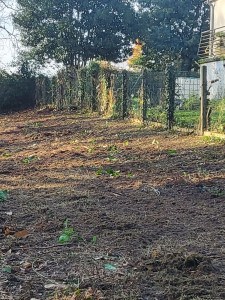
(168, 97)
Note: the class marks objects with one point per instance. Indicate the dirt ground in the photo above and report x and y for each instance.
(146, 208)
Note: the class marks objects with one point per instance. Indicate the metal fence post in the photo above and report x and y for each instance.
(203, 117)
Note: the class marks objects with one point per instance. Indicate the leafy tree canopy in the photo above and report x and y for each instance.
(75, 31)
(172, 30)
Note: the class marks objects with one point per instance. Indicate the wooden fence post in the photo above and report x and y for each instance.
(203, 118)
(144, 95)
(170, 96)
(81, 77)
(125, 94)
(94, 94)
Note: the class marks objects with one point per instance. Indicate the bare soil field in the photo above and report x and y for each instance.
(108, 209)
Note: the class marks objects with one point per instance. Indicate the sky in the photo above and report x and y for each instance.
(8, 52)
(8, 40)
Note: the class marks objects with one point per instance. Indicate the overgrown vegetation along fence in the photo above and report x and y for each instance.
(147, 95)
(171, 98)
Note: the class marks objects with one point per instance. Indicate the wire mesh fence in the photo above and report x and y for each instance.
(156, 96)
(171, 98)
(135, 94)
(187, 100)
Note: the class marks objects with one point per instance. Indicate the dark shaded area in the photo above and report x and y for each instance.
(17, 92)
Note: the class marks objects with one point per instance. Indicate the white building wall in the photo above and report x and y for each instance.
(187, 87)
(216, 70)
(219, 13)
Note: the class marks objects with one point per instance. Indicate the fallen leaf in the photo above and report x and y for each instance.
(93, 294)
(88, 293)
(7, 231)
(109, 267)
(21, 234)
(39, 226)
(7, 270)
(27, 265)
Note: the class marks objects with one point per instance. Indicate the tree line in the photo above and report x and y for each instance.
(74, 32)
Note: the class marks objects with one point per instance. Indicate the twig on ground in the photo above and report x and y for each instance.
(41, 275)
(47, 247)
(147, 187)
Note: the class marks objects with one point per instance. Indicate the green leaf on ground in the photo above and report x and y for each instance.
(67, 232)
(172, 152)
(64, 238)
(3, 195)
(66, 223)
(94, 239)
(109, 267)
(7, 270)
(6, 154)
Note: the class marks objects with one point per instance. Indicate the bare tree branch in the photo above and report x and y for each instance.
(6, 30)
(6, 5)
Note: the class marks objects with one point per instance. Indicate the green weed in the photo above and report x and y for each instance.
(94, 239)
(7, 269)
(3, 195)
(112, 152)
(109, 171)
(187, 175)
(111, 158)
(29, 159)
(112, 173)
(74, 140)
(217, 192)
(113, 148)
(99, 172)
(172, 152)
(91, 148)
(129, 175)
(6, 155)
(67, 232)
(213, 140)
(34, 125)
